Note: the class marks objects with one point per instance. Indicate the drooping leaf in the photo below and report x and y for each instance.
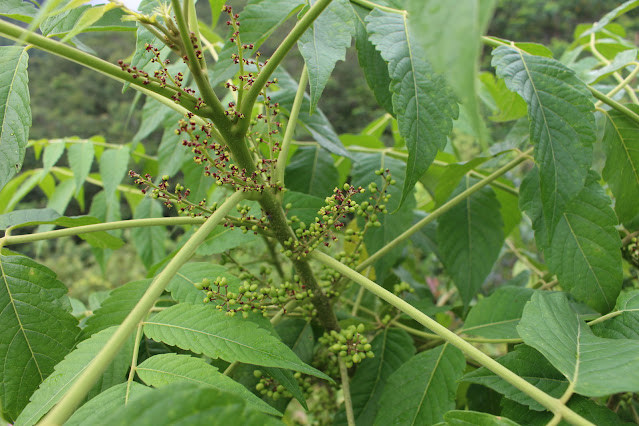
(423, 103)
(423, 389)
(15, 110)
(201, 329)
(182, 285)
(65, 374)
(149, 240)
(171, 153)
(528, 364)
(594, 365)
(622, 162)
(371, 62)
(316, 124)
(397, 220)
(115, 308)
(52, 153)
(167, 369)
(392, 348)
(463, 418)
(456, 55)
(297, 334)
(625, 325)
(562, 125)
(113, 399)
(200, 404)
(80, 156)
(19, 10)
(311, 171)
(470, 236)
(113, 167)
(497, 316)
(324, 43)
(37, 329)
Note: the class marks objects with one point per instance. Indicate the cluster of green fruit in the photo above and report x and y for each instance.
(268, 386)
(350, 344)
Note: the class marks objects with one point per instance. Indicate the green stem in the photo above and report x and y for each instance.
(109, 226)
(76, 394)
(614, 104)
(425, 335)
(346, 390)
(134, 361)
(443, 209)
(607, 317)
(290, 127)
(552, 404)
(277, 57)
(108, 69)
(622, 84)
(206, 91)
(371, 5)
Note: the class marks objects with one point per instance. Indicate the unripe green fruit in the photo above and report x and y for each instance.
(259, 386)
(356, 358)
(257, 374)
(199, 286)
(361, 328)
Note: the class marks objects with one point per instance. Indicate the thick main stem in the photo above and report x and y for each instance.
(443, 209)
(74, 396)
(552, 404)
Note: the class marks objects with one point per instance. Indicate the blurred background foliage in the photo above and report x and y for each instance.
(69, 100)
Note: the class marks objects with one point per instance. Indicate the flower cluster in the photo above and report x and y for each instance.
(631, 251)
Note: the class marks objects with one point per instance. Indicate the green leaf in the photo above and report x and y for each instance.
(67, 371)
(371, 62)
(392, 348)
(595, 366)
(52, 153)
(63, 23)
(204, 330)
(89, 17)
(224, 238)
(497, 316)
(182, 285)
(456, 56)
(115, 308)
(506, 105)
(625, 323)
(149, 240)
(167, 369)
(470, 237)
(199, 404)
(462, 418)
(622, 162)
(422, 102)
(15, 111)
(423, 389)
(562, 124)
(37, 329)
(324, 43)
(114, 163)
(452, 175)
(19, 218)
(80, 156)
(304, 206)
(111, 400)
(298, 335)
(584, 250)
(392, 224)
(610, 16)
(316, 124)
(528, 364)
(171, 153)
(311, 171)
(19, 10)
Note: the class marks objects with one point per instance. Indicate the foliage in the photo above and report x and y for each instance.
(264, 267)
